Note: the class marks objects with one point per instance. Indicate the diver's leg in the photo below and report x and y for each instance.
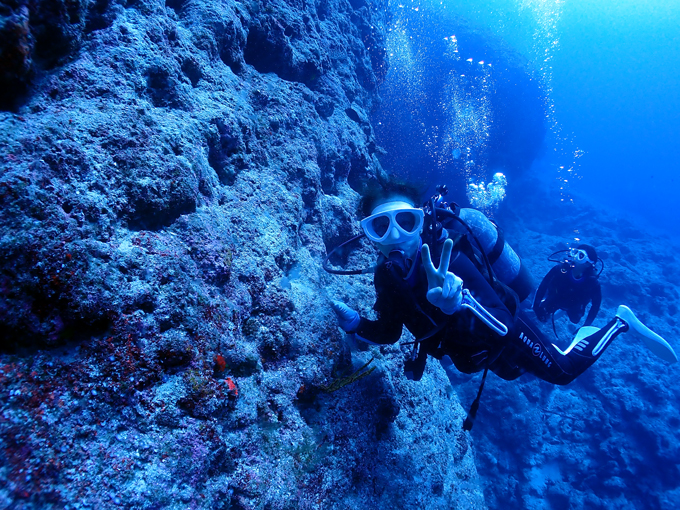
(558, 366)
(591, 342)
(594, 341)
(536, 354)
(575, 314)
(552, 364)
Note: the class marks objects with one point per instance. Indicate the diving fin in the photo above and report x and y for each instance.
(585, 331)
(654, 342)
(582, 333)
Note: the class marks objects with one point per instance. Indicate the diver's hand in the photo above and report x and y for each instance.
(541, 313)
(445, 289)
(348, 319)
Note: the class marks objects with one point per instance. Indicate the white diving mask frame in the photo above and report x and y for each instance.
(393, 223)
(578, 256)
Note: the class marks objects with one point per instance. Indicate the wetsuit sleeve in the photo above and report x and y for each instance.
(595, 307)
(387, 329)
(543, 287)
(480, 288)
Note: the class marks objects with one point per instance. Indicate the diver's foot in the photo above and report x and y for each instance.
(654, 342)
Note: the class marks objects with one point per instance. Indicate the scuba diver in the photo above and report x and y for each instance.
(570, 286)
(429, 278)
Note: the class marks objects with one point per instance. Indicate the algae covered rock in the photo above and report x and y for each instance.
(173, 174)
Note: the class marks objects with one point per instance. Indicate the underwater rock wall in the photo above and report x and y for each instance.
(173, 174)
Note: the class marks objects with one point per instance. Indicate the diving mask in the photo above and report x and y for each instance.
(579, 256)
(393, 223)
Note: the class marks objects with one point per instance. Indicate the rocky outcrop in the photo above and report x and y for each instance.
(172, 176)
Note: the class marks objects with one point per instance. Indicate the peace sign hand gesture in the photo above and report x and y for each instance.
(444, 287)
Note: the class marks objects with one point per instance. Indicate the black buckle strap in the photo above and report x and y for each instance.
(495, 253)
(470, 419)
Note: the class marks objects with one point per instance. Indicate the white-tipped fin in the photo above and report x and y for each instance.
(579, 342)
(654, 342)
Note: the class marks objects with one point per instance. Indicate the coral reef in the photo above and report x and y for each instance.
(172, 175)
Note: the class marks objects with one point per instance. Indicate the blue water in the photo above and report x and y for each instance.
(616, 87)
(584, 95)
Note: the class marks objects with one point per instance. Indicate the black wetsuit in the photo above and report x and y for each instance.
(562, 291)
(471, 344)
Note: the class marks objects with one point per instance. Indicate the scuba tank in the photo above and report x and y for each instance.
(488, 239)
(503, 259)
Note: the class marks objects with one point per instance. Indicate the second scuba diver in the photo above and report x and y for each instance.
(570, 286)
(451, 308)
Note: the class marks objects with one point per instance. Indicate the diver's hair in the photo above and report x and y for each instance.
(590, 251)
(380, 191)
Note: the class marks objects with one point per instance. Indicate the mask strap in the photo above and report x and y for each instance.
(346, 271)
